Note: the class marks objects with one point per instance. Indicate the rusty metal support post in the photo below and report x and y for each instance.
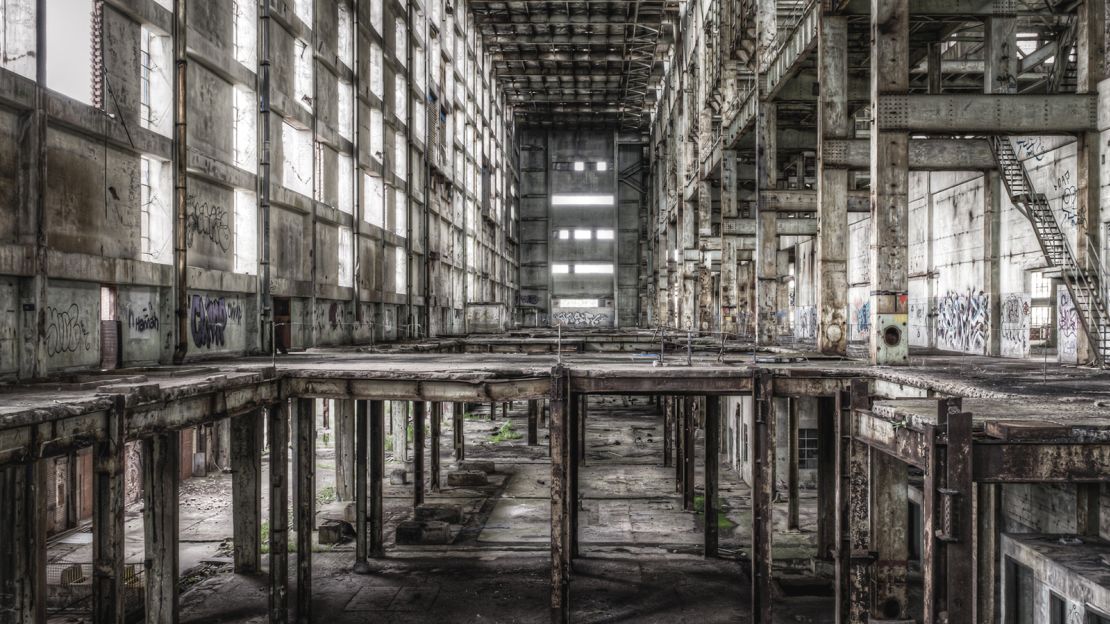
(305, 504)
(437, 417)
(860, 557)
(826, 477)
(763, 491)
(712, 463)
(533, 421)
(933, 559)
(161, 472)
(680, 462)
(419, 416)
(583, 415)
(560, 525)
(667, 407)
(23, 591)
(377, 473)
(689, 455)
(493, 410)
(278, 427)
(793, 482)
(246, 491)
(842, 549)
(574, 442)
(362, 566)
(458, 430)
(345, 450)
(180, 179)
(890, 536)
(988, 560)
(960, 521)
(108, 522)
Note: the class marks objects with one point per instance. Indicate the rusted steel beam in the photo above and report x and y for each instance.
(894, 439)
(574, 442)
(842, 547)
(458, 430)
(277, 425)
(437, 417)
(689, 455)
(23, 513)
(666, 404)
(680, 461)
(533, 422)
(793, 480)
(660, 384)
(108, 520)
(826, 477)
(377, 473)
(161, 473)
(476, 391)
(763, 490)
(889, 537)
(419, 421)
(362, 434)
(932, 550)
(560, 524)
(712, 463)
(246, 491)
(1032, 463)
(959, 520)
(582, 417)
(988, 571)
(859, 535)
(305, 504)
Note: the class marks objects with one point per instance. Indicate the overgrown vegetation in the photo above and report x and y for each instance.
(505, 433)
(326, 495)
(722, 520)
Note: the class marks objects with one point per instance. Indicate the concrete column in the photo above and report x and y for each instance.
(399, 429)
(1001, 62)
(582, 416)
(108, 521)
(533, 421)
(23, 543)
(792, 478)
(689, 455)
(679, 438)
(419, 416)
(161, 472)
(988, 562)
(889, 183)
(889, 536)
(305, 504)
(832, 187)
(437, 417)
(345, 450)
(712, 463)
(729, 262)
(458, 413)
(246, 491)
(767, 242)
(574, 442)
(377, 473)
(277, 425)
(1090, 52)
(362, 434)
(560, 524)
(762, 442)
(1001, 67)
(826, 477)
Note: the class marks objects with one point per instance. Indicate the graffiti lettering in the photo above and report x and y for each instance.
(65, 331)
(963, 321)
(208, 320)
(1030, 147)
(581, 319)
(1068, 197)
(1015, 326)
(208, 221)
(143, 320)
(863, 317)
(806, 320)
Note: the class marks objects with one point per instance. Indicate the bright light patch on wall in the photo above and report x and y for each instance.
(345, 260)
(581, 200)
(593, 269)
(579, 166)
(303, 71)
(602, 166)
(246, 232)
(564, 234)
(69, 31)
(560, 268)
(582, 235)
(605, 235)
(373, 200)
(577, 303)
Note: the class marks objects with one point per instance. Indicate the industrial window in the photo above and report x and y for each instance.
(605, 234)
(246, 232)
(576, 303)
(377, 74)
(564, 234)
(560, 268)
(377, 135)
(1057, 609)
(245, 122)
(418, 67)
(374, 204)
(1019, 592)
(345, 270)
(1097, 618)
(418, 120)
(246, 32)
(1039, 286)
(345, 36)
(376, 15)
(581, 200)
(594, 269)
(17, 36)
(579, 165)
(303, 10)
(400, 213)
(400, 98)
(807, 449)
(156, 223)
(346, 107)
(400, 42)
(346, 177)
(400, 155)
(302, 77)
(155, 76)
(400, 269)
(70, 39)
(583, 235)
(602, 166)
(297, 154)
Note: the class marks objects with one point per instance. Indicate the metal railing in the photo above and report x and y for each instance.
(69, 589)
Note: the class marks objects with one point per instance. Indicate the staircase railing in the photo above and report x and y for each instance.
(1085, 281)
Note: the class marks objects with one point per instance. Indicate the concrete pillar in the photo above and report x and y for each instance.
(889, 184)
(767, 242)
(277, 425)
(560, 525)
(689, 455)
(832, 187)
(1090, 52)
(377, 473)
(667, 403)
(108, 521)
(161, 473)
(1000, 76)
(458, 430)
(362, 434)
(889, 536)
(399, 429)
(437, 417)
(792, 478)
(533, 421)
(854, 595)
(988, 561)
(712, 463)
(246, 491)
(826, 477)
(23, 543)
(762, 441)
(730, 205)
(305, 504)
(345, 450)
(419, 417)
(574, 442)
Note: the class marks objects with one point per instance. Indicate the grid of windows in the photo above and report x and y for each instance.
(807, 449)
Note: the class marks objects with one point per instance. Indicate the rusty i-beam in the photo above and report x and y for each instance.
(377, 473)
(560, 525)
(665, 405)
(108, 524)
(763, 490)
(857, 548)
(277, 426)
(305, 504)
(458, 413)
(161, 474)
(712, 447)
(574, 442)
(362, 566)
(533, 421)
(246, 490)
(419, 416)
(437, 417)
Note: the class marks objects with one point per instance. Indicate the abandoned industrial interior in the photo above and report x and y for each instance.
(608, 311)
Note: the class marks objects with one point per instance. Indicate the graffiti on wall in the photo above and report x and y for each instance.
(918, 323)
(805, 322)
(133, 472)
(66, 331)
(142, 319)
(581, 318)
(209, 318)
(207, 221)
(861, 318)
(1030, 147)
(1069, 196)
(1016, 315)
(1067, 328)
(963, 321)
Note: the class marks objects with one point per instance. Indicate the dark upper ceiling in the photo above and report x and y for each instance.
(563, 63)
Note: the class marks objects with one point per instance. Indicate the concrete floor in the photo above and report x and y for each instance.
(641, 552)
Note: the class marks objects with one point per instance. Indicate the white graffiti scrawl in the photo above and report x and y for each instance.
(963, 321)
(1016, 314)
(581, 318)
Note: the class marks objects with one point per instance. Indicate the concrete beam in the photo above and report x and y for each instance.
(955, 8)
(161, 474)
(560, 525)
(925, 154)
(805, 200)
(246, 488)
(988, 113)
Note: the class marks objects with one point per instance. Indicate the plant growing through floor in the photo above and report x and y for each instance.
(722, 520)
(470, 416)
(326, 495)
(505, 433)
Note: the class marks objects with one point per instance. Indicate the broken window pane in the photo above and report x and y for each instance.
(401, 272)
(302, 83)
(156, 224)
(297, 159)
(246, 232)
(374, 200)
(377, 77)
(345, 38)
(245, 123)
(346, 177)
(346, 110)
(156, 75)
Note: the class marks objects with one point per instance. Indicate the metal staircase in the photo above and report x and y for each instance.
(1086, 281)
